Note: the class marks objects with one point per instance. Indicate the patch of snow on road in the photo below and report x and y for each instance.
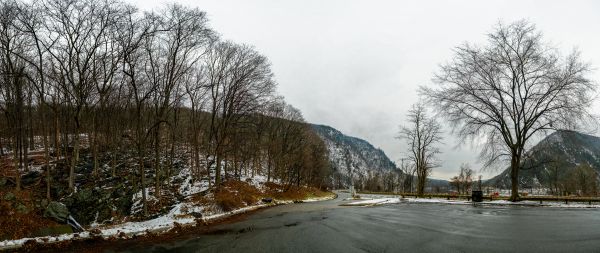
(372, 202)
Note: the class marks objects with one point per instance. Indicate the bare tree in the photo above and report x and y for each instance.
(197, 97)
(408, 169)
(135, 31)
(181, 38)
(510, 90)
(464, 181)
(239, 81)
(126, 79)
(422, 135)
(75, 35)
(14, 85)
(582, 180)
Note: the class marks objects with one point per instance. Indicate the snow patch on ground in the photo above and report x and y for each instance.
(316, 199)
(380, 200)
(190, 186)
(257, 181)
(373, 202)
(137, 200)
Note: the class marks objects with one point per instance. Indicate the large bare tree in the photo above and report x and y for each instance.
(422, 135)
(509, 90)
(181, 39)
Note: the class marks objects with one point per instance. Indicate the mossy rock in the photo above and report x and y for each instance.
(9, 196)
(31, 178)
(57, 211)
(85, 195)
(22, 209)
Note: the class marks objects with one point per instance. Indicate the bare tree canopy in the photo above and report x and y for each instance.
(511, 89)
(422, 135)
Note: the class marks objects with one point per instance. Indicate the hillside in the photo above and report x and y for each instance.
(364, 159)
(563, 149)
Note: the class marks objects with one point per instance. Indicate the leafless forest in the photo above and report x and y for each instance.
(137, 93)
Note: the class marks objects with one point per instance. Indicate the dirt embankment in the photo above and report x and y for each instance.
(233, 195)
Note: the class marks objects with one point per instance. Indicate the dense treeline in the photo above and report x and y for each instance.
(581, 180)
(103, 77)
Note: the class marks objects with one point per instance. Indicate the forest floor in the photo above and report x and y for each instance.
(235, 198)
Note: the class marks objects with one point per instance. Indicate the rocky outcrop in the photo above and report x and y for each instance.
(57, 211)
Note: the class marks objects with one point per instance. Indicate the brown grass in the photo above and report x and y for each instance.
(282, 192)
(235, 194)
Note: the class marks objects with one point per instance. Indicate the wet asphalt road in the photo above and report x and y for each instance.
(328, 227)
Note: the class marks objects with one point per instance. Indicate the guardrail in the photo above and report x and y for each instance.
(540, 199)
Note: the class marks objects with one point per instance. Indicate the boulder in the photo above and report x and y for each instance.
(9, 196)
(44, 202)
(31, 178)
(22, 209)
(86, 195)
(196, 215)
(57, 211)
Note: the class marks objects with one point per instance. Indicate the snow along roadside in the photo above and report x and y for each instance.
(161, 224)
(387, 200)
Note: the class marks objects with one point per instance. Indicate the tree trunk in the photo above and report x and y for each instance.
(30, 123)
(207, 164)
(157, 163)
(56, 136)
(16, 164)
(46, 155)
(1, 148)
(74, 159)
(95, 147)
(421, 179)
(171, 158)
(269, 168)
(142, 180)
(514, 178)
(218, 172)
(225, 171)
(113, 159)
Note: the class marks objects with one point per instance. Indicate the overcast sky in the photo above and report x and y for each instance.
(356, 65)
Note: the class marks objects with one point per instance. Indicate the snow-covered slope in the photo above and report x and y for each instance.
(565, 149)
(353, 155)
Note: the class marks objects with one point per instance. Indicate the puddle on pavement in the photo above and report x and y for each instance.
(292, 224)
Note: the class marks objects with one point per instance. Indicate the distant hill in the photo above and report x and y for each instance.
(363, 157)
(565, 149)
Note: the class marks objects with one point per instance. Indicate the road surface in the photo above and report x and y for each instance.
(328, 227)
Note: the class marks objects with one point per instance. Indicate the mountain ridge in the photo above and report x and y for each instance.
(366, 160)
(364, 157)
(563, 148)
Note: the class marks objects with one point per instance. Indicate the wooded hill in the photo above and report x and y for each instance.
(356, 158)
(111, 105)
(565, 162)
